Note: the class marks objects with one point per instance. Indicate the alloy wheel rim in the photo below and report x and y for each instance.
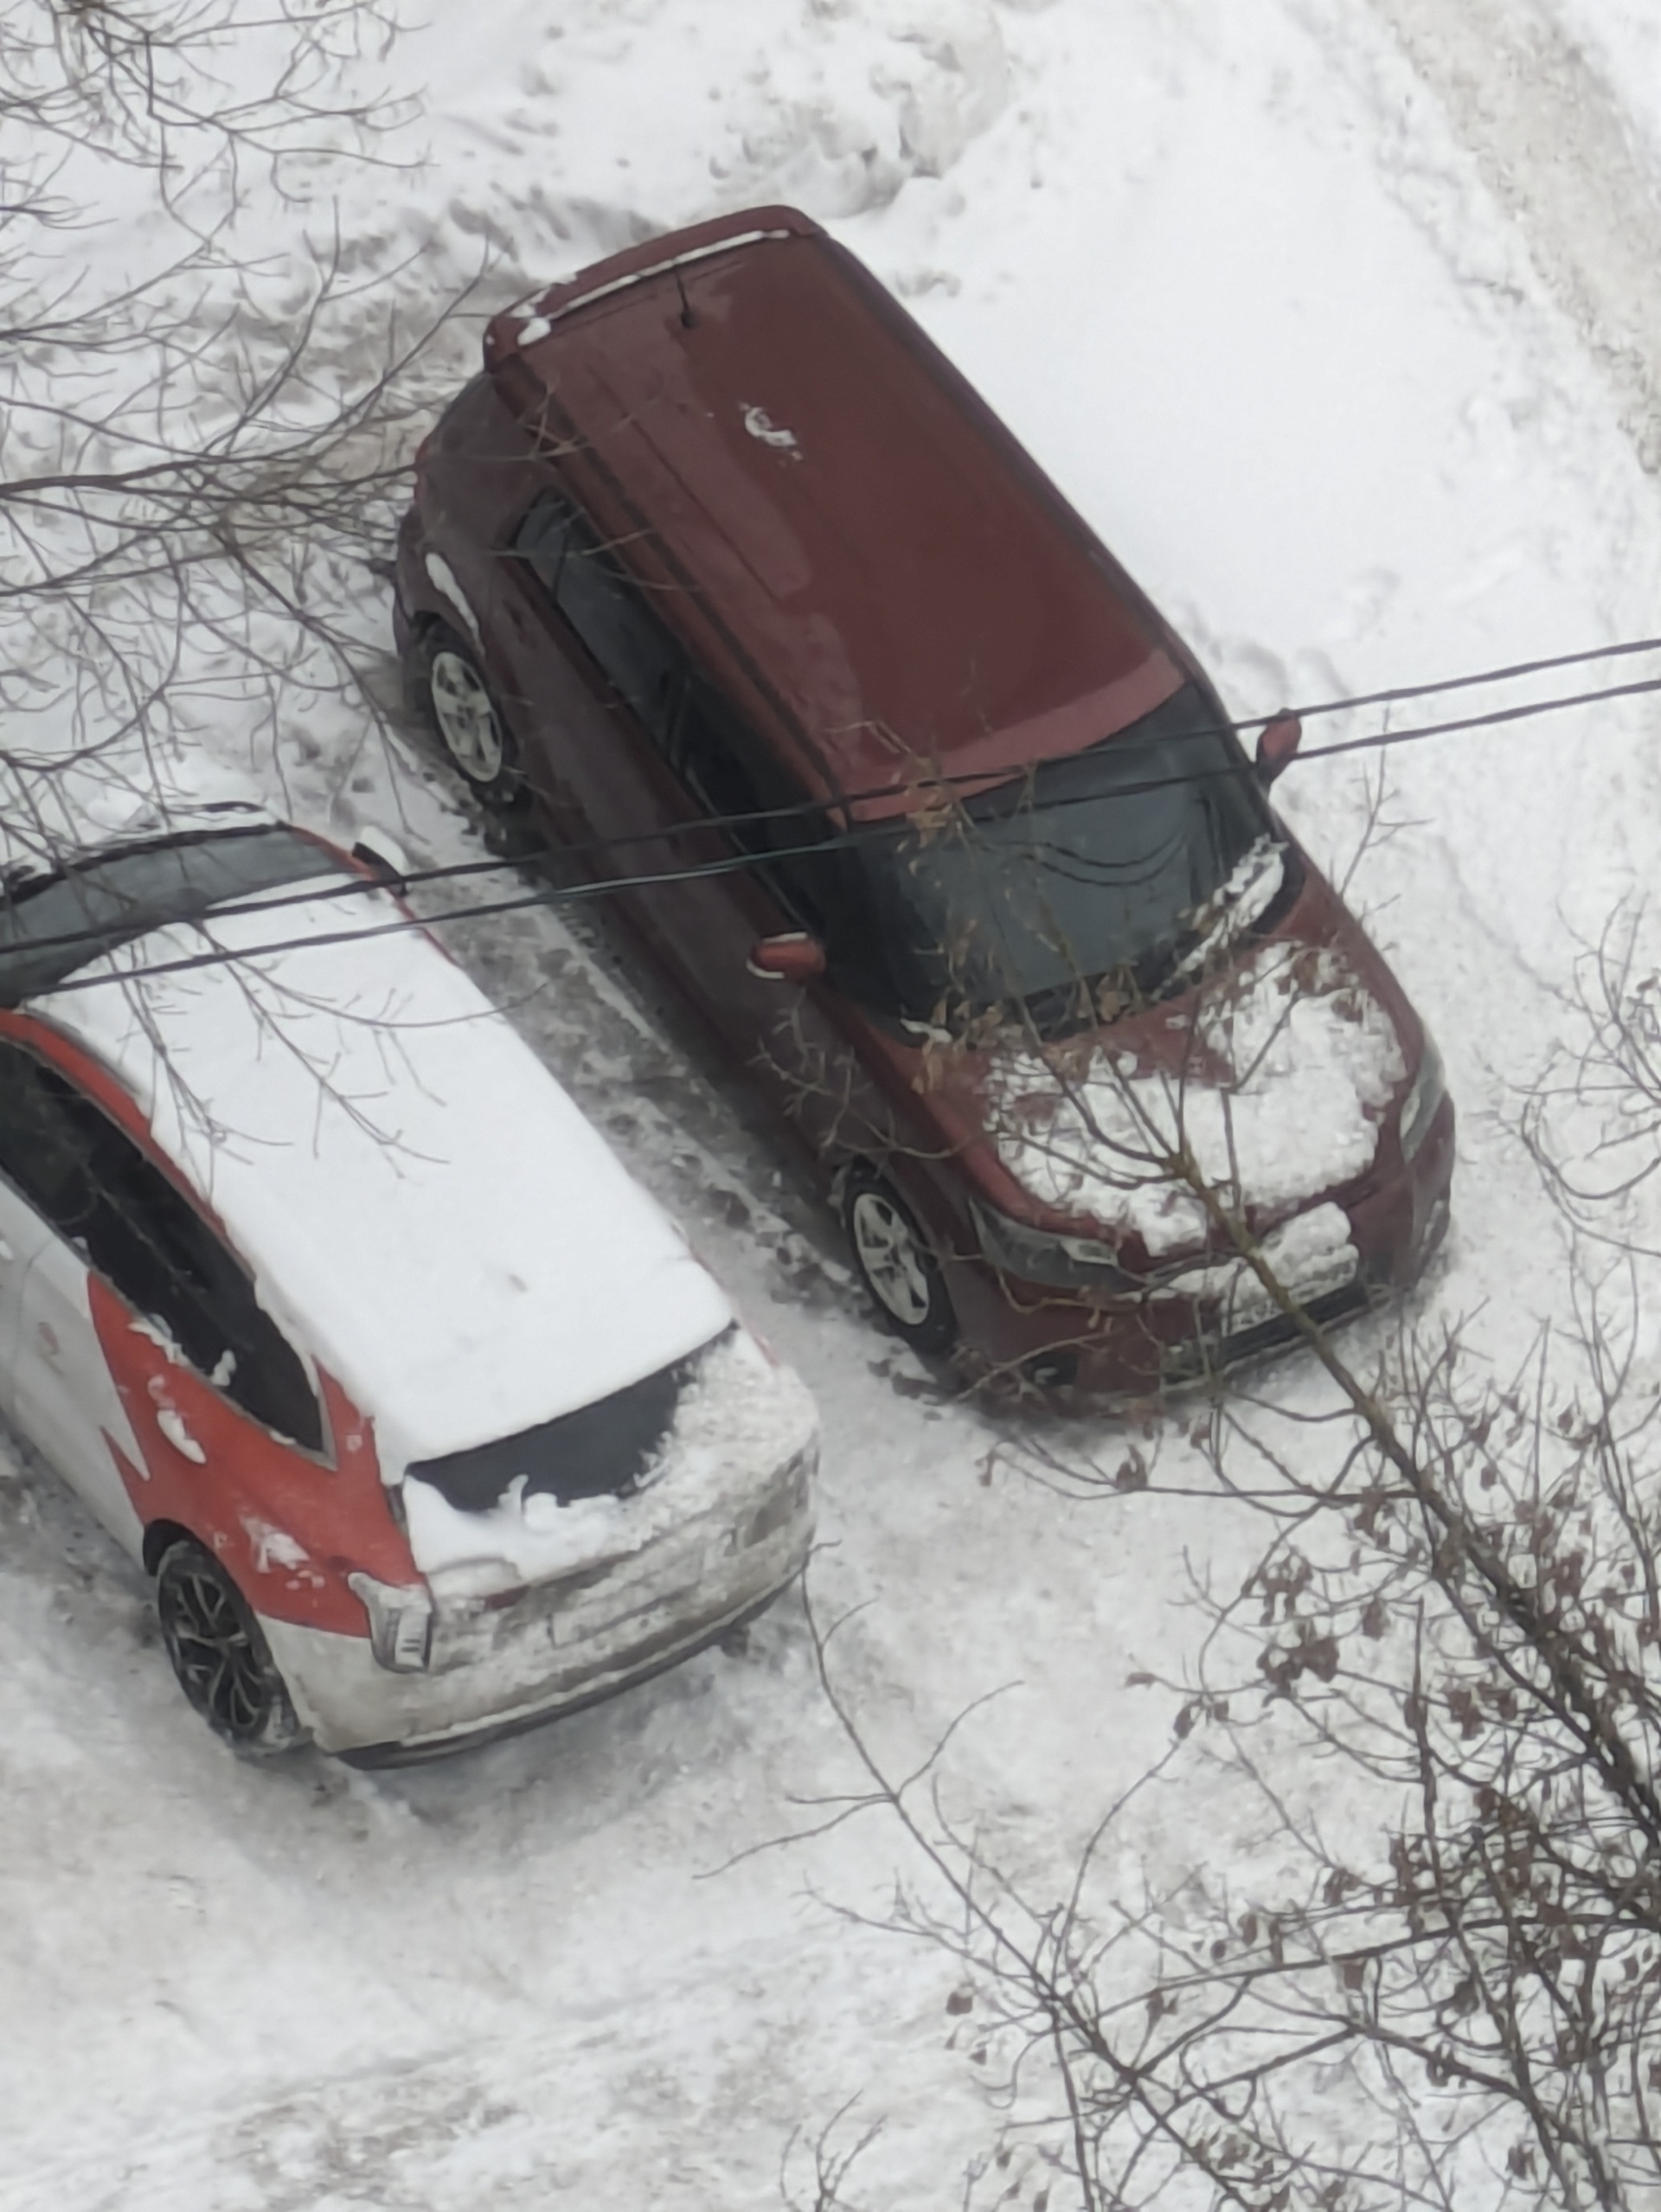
(212, 1653)
(891, 1257)
(466, 718)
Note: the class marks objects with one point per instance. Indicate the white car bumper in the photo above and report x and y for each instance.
(510, 1657)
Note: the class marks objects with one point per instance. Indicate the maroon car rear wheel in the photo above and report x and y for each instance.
(466, 718)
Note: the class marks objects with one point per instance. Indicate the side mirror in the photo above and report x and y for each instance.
(1277, 742)
(793, 957)
(379, 849)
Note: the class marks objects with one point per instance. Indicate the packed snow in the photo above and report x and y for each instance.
(1339, 355)
(1308, 1256)
(741, 1419)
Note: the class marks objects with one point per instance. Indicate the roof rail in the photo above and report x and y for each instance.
(528, 323)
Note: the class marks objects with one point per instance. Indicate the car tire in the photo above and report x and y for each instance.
(220, 1655)
(895, 1262)
(466, 718)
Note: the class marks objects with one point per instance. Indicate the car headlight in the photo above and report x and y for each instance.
(1038, 1256)
(1425, 1096)
(401, 1623)
(791, 1491)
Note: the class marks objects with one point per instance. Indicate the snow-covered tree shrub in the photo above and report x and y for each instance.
(203, 414)
(1425, 1966)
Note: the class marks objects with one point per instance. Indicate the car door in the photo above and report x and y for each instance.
(647, 764)
(584, 674)
(777, 874)
(123, 1256)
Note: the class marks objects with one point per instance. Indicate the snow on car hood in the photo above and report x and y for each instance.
(740, 1421)
(423, 1207)
(1276, 1077)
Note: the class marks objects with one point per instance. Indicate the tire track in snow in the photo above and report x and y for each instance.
(1553, 143)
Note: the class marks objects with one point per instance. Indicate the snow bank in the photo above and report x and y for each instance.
(1275, 1094)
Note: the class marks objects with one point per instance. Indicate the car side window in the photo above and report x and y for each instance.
(707, 749)
(702, 736)
(95, 1187)
(540, 538)
(606, 609)
(39, 1152)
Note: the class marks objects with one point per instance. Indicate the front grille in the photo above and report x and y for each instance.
(1213, 1353)
(599, 1450)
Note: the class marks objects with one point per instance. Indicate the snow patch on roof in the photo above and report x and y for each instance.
(761, 424)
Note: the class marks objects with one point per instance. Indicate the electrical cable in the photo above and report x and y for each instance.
(555, 895)
(1518, 668)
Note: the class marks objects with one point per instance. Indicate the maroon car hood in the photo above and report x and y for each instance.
(1275, 1078)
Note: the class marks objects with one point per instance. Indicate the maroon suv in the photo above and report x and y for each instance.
(723, 569)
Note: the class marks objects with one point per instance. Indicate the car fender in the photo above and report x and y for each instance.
(288, 1526)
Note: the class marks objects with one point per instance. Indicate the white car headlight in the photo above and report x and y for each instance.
(401, 1623)
(1425, 1095)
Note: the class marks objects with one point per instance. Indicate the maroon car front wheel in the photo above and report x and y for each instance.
(894, 1260)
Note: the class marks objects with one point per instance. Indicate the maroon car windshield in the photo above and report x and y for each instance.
(1099, 869)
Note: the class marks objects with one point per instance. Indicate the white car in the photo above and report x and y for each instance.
(327, 1299)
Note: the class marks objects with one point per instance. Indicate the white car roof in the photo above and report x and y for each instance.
(422, 1206)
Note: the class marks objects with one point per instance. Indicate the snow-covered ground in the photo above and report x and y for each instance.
(1330, 316)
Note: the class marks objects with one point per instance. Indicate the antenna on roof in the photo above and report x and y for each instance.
(689, 320)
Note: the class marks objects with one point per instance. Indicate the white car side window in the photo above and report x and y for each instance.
(96, 1187)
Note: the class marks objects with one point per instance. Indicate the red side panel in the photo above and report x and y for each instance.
(288, 1530)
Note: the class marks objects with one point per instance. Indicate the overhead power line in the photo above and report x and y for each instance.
(924, 781)
(1625, 651)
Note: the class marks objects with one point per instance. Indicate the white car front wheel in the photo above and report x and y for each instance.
(222, 1659)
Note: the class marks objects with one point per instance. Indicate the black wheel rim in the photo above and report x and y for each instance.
(209, 1642)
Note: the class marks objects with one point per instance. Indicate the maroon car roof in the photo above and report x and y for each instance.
(778, 448)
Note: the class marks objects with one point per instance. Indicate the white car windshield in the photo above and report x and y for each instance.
(51, 925)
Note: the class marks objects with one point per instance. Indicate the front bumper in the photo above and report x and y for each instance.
(1136, 1347)
(509, 1658)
